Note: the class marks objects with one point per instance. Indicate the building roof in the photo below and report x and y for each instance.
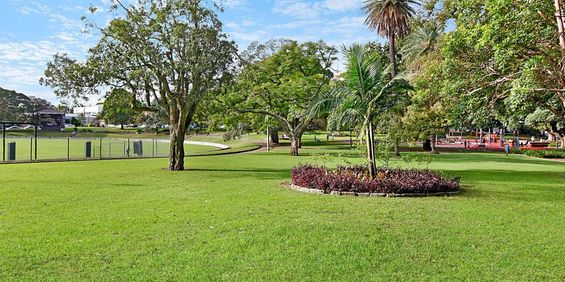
(51, 112)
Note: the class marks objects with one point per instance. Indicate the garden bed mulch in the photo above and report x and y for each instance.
(381, 195)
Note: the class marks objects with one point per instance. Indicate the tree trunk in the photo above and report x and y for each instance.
(121, 126)
(178, 120)
(392, 54)
(397, 147)
(372, 166)
(559, 15)
(274, 136)
(294, 145)
(176, 150)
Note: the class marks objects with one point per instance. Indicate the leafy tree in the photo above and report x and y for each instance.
(367, 92)
(21, 108)
(171, 53)
(118, 108)
(13, 105)
(505, 60)
(282, 79)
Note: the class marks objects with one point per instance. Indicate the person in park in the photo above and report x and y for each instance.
(507, 149)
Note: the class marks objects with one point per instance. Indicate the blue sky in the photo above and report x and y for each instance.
(32, 31)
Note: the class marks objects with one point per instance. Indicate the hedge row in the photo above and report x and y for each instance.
(547, 154)
(388, 181)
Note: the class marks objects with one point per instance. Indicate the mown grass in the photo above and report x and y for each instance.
(74, 148)
(228, 218)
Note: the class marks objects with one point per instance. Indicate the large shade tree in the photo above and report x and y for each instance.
(505, 62)
(282, 79)
(167, 53)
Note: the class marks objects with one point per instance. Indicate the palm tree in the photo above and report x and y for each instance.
(391, 19)
(366, 92)
(420, 43)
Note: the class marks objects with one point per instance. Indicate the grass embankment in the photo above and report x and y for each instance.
(227, 218)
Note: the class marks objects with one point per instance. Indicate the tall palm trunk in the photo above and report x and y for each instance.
(392, 54)
(372, 165)
(394, 72)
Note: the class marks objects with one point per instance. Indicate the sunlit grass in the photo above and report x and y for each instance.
(228, 218)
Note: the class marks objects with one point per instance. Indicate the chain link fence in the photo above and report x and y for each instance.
(22, 149)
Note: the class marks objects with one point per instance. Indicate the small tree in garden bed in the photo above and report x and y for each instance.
(387, 181)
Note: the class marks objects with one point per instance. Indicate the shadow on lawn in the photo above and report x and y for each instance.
(490, 157)
(260, 173)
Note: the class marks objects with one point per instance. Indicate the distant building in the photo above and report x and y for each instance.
(89, 114)
(51, 120)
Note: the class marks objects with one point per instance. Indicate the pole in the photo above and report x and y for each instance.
(153, 148)
(3, 142)
(110, 150)
(35, 135)
(31, 148)
(128, 149)
(100, 153)
(68, 148)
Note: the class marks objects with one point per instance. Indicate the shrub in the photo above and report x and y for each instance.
(548, 154)
(388, 181)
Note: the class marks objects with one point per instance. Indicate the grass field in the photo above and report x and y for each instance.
(112, 145)
(56, 148)
(228, 218)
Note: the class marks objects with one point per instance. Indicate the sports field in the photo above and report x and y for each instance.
(230, 218)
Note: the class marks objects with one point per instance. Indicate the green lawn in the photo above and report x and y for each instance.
(114, 146)
(56, 148)
(228, 218)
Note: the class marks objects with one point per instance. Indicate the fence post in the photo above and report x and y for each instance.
(68, 148)
(100, 148)
(3, 142)
(109, 149)
(35, 135)
(128, 148)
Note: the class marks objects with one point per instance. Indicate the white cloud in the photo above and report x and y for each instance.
(299, 9)
(233, 3)
(343, 5)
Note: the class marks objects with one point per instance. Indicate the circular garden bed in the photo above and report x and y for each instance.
(355, 181)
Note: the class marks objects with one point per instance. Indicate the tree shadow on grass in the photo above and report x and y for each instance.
(483, 157)
(260, 173)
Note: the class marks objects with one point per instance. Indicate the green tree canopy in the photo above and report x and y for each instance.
(172, 53)
(282, 79)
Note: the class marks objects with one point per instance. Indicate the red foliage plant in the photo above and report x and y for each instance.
(388, 181)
